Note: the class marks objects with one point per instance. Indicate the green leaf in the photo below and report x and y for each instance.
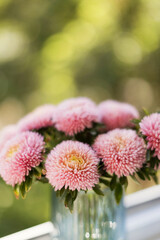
(98, 126)
(126, 184)
(146, 173)
(118, 192)
(141, 176)
(104, 181)
(69, 202)
(97, 190)
(152, 163)
(134, 179)
(157, 165)
(148, 155)
(39, 169)
(37, 172)
(22, 190)
(155, 179)
(107, 175)
(146, 111)
(28, 184)
(113, 182)
(42, 180)
(58, 193)
(123, 181)
(74, 194)
(135, 121)
(152, 171)
(100, 166)
(62, 191)
(16, 191)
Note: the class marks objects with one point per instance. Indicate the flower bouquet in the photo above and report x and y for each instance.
(80, 148)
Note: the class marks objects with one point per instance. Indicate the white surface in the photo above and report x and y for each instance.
(142, 219)
(142, 196)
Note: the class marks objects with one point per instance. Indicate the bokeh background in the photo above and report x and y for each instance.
(52, 50)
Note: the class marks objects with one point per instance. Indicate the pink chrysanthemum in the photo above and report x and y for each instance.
(150, 127)
(116, 114)
(72, 164)
(7, 133)
(75, 114)
(121, 150)
(19, 155)
(39, 118)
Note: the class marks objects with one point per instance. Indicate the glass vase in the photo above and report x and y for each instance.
(93, 217)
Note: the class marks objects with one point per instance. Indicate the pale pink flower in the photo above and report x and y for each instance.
(41, 117)
(20, 154)
(7, 133)
(150, 127)
(122, 151)
(116, 114)
(75, 114)
(72, 164)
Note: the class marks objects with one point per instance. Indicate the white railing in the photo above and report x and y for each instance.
(142, 219)
(43, 231)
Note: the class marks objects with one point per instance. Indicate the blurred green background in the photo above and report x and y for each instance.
(52, 50)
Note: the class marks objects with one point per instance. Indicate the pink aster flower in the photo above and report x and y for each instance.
(122, 151)
(72, 164)
(39, 118)
(7, 133)
(20, 154)
(75, 114)
(150, 127)
(116, 114)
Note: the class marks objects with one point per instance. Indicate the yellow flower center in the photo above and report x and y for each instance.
(12, 150)
(75, 162)
(121, 143)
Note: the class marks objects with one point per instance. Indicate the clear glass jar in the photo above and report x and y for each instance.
(93, 217)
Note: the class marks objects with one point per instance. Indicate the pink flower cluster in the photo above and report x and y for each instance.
(150, 127)
(73, 164)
